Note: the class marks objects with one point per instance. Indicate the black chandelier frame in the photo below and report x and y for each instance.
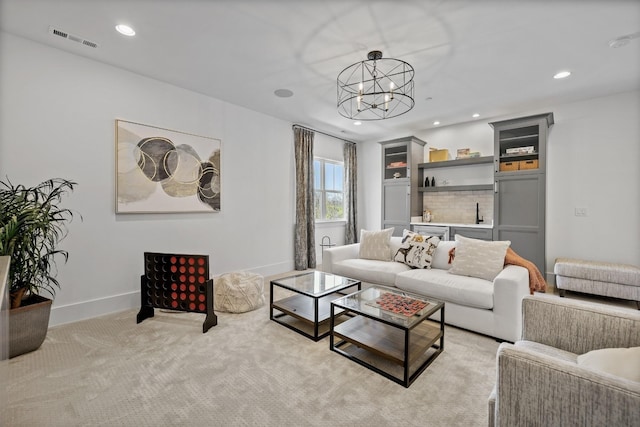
(376, 89)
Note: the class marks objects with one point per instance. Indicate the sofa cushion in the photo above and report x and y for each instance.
(416, 250)
(441, 255)
(372, 271)
(598, 271)
(479, 258)
(442, 285)
(375, 244)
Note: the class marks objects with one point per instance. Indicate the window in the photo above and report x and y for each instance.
(328, 185)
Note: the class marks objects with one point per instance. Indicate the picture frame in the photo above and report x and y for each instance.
(160, 170)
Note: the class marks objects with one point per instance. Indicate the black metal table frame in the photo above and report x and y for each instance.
(408, 379)
(316, 325)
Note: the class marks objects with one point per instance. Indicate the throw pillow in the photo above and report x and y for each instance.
(441, 259)
(375, 244)
(416, 249)
(621, 362)
(479, 258)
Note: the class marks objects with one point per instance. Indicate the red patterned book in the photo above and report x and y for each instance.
(400, 304)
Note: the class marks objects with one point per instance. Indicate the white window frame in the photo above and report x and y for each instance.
(323, 211)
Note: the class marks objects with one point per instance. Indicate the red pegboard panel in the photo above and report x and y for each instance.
(177, 282)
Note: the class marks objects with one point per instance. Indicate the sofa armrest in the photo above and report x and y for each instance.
(578, 326)
(538, 389)
(337, 254)
(509, 288)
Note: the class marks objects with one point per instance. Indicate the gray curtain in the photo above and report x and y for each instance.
(305, 242)
(350, 192)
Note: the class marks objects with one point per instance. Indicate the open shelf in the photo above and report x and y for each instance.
(456, 188)
(520, 137)
(523, 156)
(458, 162)
(302, 307)
(387, 341)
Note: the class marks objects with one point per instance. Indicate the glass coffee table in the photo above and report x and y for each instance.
(388, 331)
(304, 301)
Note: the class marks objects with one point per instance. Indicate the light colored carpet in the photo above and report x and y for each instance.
(246, 371)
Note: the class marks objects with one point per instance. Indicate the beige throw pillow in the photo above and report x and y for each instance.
(375, 244)
(479, 258)
(621, 362)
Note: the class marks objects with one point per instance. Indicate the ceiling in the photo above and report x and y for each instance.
(490, 57)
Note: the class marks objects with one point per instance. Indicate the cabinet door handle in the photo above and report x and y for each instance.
(495, 186)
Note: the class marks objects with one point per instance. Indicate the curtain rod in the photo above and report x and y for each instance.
(323, 133)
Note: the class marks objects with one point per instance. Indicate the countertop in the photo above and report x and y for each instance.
(449, 224)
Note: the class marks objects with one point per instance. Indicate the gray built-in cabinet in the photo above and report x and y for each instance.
(400, 197)
(520, 181)
(471, 232)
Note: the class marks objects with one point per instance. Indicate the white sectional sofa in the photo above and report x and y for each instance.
(489, 307)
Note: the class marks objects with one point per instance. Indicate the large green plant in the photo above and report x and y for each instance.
(32, 224)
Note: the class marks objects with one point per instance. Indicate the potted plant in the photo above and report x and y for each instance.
(32, 224)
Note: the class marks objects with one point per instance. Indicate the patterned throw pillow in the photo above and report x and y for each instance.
(375, 244)
(479, 258)
(416, 249)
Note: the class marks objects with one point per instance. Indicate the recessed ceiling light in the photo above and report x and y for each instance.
(125, 30)
(436, 123)
(475, 115)
(562, 75)
(623, 40)
(619, 42)
(283, 93)
(357, 123)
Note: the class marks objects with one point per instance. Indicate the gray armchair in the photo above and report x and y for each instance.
(539, 382)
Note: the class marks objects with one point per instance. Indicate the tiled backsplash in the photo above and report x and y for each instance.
(459, 206)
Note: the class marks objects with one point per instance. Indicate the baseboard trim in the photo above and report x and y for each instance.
(112, 304)
(267, 270)
(93, 308)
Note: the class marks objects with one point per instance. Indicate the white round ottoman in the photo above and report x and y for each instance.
(238, 292)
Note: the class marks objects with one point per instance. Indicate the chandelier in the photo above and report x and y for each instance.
(375, 89)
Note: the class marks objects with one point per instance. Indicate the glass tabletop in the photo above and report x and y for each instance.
(390, 304)
(316, 283)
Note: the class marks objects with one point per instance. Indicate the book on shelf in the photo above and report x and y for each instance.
(520, 150)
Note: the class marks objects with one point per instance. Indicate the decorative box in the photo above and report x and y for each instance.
(528, 164)
(439, 155)
(509, 166)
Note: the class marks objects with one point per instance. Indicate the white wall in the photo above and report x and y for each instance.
(58, 112)
(593, 162)
(369, 185)
(593, 155)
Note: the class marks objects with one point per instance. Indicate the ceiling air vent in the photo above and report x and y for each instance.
(66, 35)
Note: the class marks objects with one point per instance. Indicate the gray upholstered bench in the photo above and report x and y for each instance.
(598, 278)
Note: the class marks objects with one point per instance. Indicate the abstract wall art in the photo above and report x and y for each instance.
(162, 171)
